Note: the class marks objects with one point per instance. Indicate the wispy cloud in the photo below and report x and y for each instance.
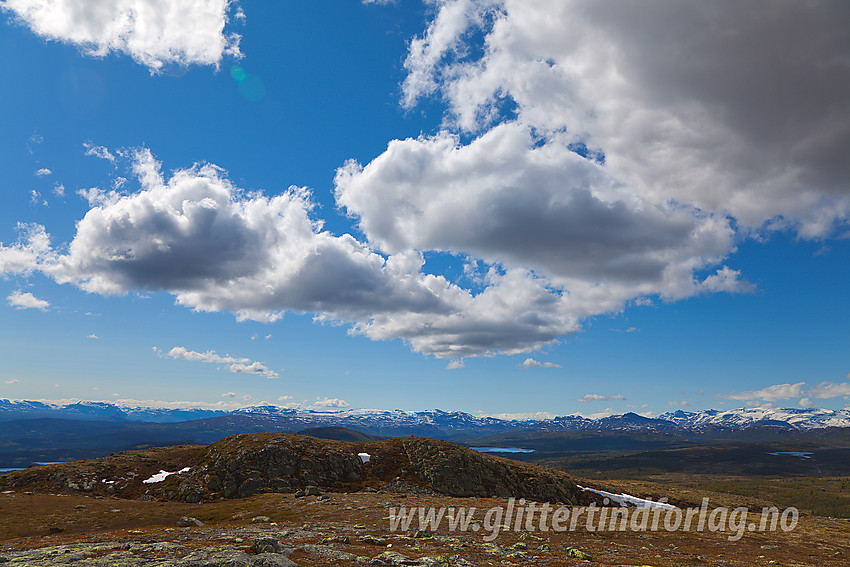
(233, 364)
(289, 403)
(607, 412)
(823, 391)
(13, 381)
(771, 393)
(683, 403)
(20, 300)
(92, 336)
(532, 363)
(523, 416)
(43, 171)
(600, 397)
(97, 151)
(826, 390)
(455, 364)
(592, 398)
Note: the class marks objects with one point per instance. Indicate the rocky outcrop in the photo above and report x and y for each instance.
(243, 465)
(457, 471)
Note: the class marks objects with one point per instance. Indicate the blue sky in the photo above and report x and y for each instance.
(381, 205)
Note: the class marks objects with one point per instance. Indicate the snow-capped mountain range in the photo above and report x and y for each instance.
(437, 422)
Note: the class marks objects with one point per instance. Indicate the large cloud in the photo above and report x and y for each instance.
(505, 199)
(153, 32)
(617, 152)
(217, 248)
(734, 108)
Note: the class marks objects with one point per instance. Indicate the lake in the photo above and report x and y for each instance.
(501, 450)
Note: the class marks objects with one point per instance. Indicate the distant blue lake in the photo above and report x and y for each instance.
(8, 470)
(501, 450)
(801, 454)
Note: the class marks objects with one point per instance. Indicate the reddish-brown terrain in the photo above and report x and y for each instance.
(66, 514)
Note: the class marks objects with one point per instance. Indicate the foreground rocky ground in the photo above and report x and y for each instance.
(354, 529)
(265, 500)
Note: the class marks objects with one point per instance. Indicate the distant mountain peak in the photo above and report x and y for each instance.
(439, 422)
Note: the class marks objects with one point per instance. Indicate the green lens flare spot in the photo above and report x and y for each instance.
(238, 73)
(252, 88)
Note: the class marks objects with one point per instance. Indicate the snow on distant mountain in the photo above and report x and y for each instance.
(437, 422)
(98, 411)
(743, 418)
(420, 422)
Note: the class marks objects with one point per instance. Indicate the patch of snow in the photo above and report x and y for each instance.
(162, 475)
(364, 457)
(625, 500)
(104, 481)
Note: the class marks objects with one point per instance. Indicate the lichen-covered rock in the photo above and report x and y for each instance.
(393, 558)
(579, 554)
(327, 552)
(216, 559)
(266, 543)
(458, 471)
(271, 560)
(242, 465)
(436, 561)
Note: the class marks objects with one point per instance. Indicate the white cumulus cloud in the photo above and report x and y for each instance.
(154, 33)
(592, 398)
(26, 300)
(217, 248)
(583, 150)
(329, 403)
(721, 108)
(31, 251)
(233, 364)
